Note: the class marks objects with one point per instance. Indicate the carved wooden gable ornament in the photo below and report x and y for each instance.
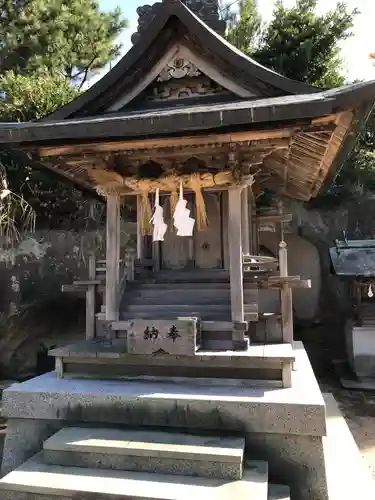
(181, 79)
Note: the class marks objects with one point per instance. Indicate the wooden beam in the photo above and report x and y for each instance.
(235, 264)
(274, 218)
(170, 142)
(112, 283)
(279, 282)
(86, 283)
(252, 152)
(75, 179)
(324, 120)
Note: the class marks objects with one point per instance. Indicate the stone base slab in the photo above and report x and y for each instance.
(35, 477)
(349, 380)
(146, 451)
(284, 427)
(119, 462)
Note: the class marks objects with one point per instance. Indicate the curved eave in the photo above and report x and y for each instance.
(216, 44)
(190, 119)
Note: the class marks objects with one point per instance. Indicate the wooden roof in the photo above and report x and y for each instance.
(173, 24)
(353, 258)
(183, 94)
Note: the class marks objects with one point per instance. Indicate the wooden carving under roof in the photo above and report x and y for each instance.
(268, 153)
(179, 76)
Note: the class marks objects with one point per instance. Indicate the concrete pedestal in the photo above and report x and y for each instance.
(283, 426)
(360, 349)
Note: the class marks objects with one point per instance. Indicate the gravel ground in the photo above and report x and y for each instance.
(358, 409)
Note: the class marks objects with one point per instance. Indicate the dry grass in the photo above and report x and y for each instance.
(16, 214)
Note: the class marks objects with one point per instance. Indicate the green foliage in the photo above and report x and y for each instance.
(48, 50)
(304, 46)
(297, 42)
(71, 38)
(34, 96)
(243, 31)
(357, 176)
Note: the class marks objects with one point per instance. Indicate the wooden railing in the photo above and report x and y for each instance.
(95, 285)
(261, 270)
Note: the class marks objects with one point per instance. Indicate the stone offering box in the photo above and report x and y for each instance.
(181, 336)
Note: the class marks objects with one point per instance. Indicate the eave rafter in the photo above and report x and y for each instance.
(302, 169)
(175, 142)
(293, 156)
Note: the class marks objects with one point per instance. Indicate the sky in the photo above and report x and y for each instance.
(355, 50)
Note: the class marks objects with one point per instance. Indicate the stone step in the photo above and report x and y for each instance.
(278, 492)
(174, 298)
(176, 310)
(186, 293)
(209, 336)
(166, 285)
(193, 275)
(156, 283)
(146, 451)
(165, 314)
(218, 344)
(36, 480)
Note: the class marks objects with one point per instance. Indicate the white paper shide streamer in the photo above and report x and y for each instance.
(157, 220)
(182, 220)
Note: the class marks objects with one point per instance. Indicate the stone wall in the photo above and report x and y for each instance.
(33, 310)
(320, 225)
(41, 262)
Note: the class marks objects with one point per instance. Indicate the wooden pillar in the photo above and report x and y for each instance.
(90, 299)
(112, 281)
(139, 230)
(91, 289)
(245, 221)
(224, 229)
(156, 256)
(235, 269)
(285, 296)
(250, 216)
(254, 227)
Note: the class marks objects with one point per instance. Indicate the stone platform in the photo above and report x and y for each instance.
(50, 422)
(282, 426)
